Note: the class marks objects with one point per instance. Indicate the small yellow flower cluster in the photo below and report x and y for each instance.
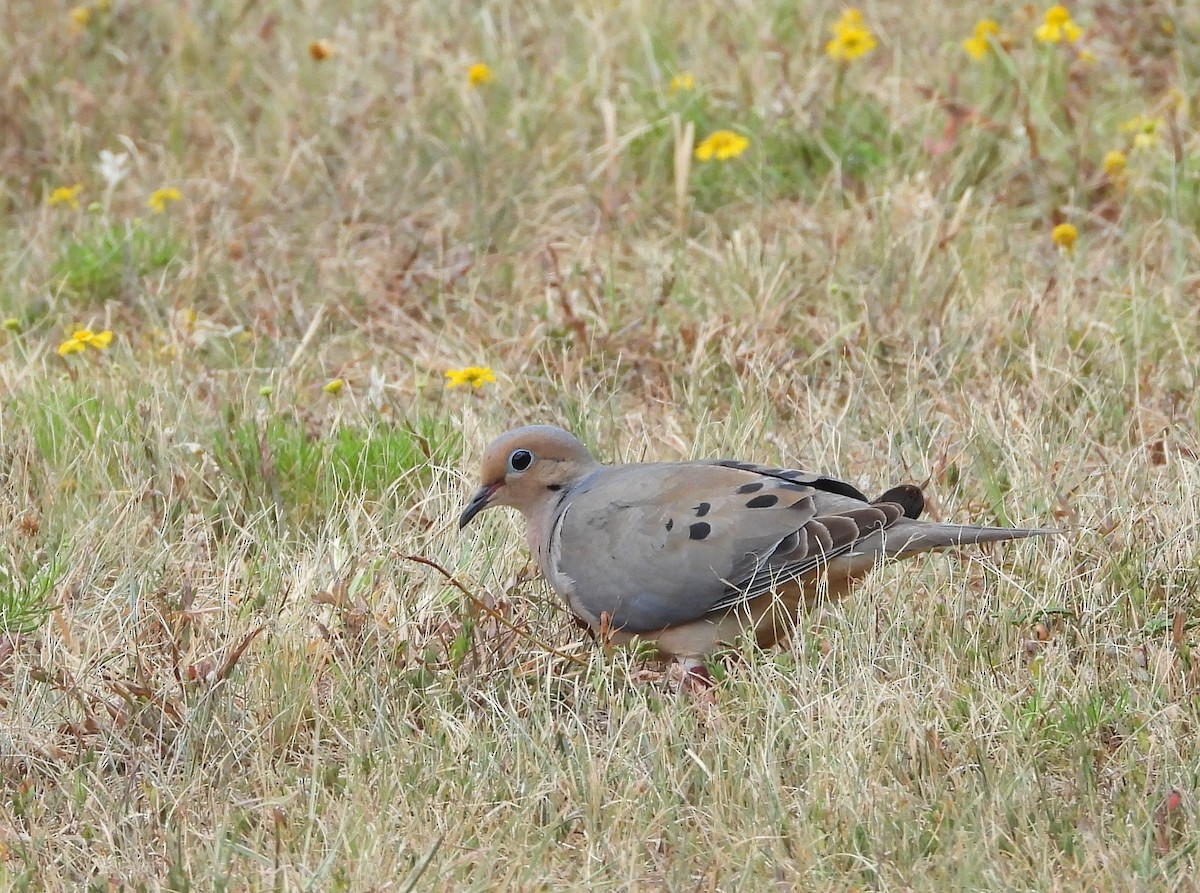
(1058, 27)
(65, 195)
(1114, 164)
(82, 339)
(476, 376)
(332, 387)
(479, 74)
(981, 43)
(1064, 236)
(722, 145)
(683, 82)
(851, 38)
(161, 197)
(1145, 131)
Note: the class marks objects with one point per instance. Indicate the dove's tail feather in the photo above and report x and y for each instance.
(910, 537)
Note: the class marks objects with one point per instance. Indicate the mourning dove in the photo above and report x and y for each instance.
(689, 555)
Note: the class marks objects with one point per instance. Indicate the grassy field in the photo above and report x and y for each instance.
(243, 645)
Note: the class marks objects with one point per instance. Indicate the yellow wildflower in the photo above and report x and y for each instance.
(479, 74)
(1145, 130)
(84, 338)
(334, 386)
(851, 38)
(80, 16)
(978, 46)
(722, 145)
(12, 324)
(684, 81)
(1086, 56)
(65, 195)
(1065, 236)
(476, 376)
(1058, 27)
(320, 50)
(1114, 163)
(160, 197)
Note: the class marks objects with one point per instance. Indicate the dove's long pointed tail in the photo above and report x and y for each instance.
(910, 537)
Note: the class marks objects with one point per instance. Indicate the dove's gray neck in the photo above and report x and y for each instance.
(545, 517)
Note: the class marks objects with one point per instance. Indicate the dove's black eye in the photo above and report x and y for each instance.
(519, 460)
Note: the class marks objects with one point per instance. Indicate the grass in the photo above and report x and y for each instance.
(234, 650)
(93, 267)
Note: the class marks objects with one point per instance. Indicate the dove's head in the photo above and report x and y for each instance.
(527, 468)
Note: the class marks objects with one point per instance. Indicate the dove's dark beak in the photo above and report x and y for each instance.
(477, 504)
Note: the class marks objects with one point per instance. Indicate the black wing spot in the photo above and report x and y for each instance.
(762, 502)
(702, 509)
(831, 485)
(554, 488)
(699, 530)
(670, 524)
(795, 488)
(750, 488)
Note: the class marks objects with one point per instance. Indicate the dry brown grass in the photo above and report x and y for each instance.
(244, 684)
